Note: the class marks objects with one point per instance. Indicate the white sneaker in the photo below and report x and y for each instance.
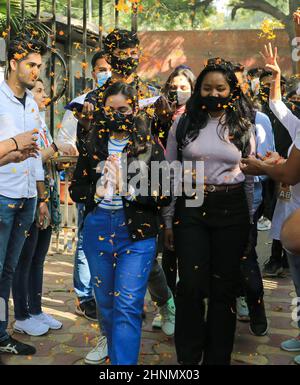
(31, 326)
(157, 321)
(47, 319)
(168, 317)
(99, 354)
(264, 224)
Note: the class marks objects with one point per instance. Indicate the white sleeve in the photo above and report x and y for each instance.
(39, 171)
(68, 132)
(297, 140)
(286, 116)
(38, 163)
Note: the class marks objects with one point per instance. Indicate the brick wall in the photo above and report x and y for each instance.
(164, 50)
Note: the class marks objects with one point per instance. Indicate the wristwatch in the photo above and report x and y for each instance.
(41, 200)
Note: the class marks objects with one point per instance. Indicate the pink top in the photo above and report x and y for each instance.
(221, 157)
(221, 161)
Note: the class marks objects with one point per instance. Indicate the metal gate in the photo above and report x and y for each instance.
(52, 23)
(68, 209)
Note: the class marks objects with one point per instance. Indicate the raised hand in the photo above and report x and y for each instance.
(270, 59)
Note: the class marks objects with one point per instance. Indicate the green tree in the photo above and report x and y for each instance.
(21, 20)
(281, 10)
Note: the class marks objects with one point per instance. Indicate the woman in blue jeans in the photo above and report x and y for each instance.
(121, 226)
(28, 277)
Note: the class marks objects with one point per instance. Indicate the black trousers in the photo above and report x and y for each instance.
(251, 279)
(169, 265)
(209, 242)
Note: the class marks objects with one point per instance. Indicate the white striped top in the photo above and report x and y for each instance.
(115, 147)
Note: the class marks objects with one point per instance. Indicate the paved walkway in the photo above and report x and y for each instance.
(70, 344)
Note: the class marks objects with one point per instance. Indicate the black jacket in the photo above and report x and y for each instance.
(142, 214)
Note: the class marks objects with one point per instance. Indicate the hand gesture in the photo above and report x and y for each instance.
(270, 59)
(111, 176)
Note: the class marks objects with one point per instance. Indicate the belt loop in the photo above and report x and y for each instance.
(227, 188)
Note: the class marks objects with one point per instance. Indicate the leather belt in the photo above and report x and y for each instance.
(210, 188)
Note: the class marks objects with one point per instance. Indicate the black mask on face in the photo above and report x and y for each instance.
(117, 122)
(213, 103)
(297, 103)
(264, 94)
(172, 96)
(124, 67)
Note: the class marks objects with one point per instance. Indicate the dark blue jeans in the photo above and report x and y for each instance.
(16, 217)
(120, 270)
(28, 279)
(82, 277)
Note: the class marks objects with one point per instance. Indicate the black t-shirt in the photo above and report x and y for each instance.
(22, 100)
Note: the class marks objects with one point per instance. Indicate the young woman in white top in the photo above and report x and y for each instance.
(287, 172)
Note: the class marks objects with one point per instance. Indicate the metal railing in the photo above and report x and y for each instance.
(66, 240)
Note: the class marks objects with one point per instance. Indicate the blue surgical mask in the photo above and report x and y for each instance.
(102, 78)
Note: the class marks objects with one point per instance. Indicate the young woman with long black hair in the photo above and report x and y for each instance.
(120, 230)
(210, 240)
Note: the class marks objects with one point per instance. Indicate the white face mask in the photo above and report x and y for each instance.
(183, 97)
(102, 77)
(255, 86)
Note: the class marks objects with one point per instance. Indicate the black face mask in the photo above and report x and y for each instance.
(172, 97)
(213, 103)
(117, 122)
(264, 94)
(124, 67)
(296, 102)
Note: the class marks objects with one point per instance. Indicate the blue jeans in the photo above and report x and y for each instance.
(120, 269)
(28, 279)
(16, 217)
(294, 264)
(82, 277)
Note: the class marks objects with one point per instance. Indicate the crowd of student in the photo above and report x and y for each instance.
(229, 118)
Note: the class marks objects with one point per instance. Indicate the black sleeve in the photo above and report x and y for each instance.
(82, 187)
